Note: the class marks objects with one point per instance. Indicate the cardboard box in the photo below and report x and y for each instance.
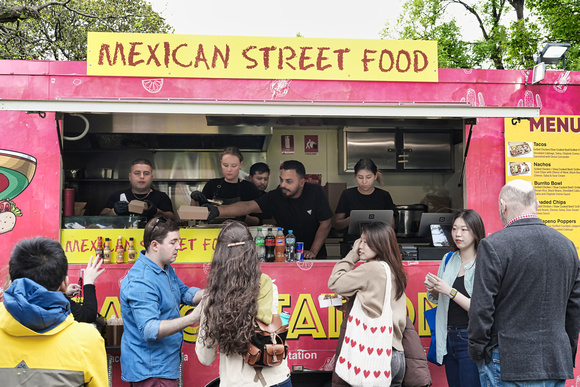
(333, 192)
(192, 213)
(114, 331)
(80, 208)
(137, 206)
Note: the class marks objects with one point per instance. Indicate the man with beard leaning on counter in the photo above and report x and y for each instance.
(295, 205)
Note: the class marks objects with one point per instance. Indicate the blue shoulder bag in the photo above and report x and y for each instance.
(430, 317)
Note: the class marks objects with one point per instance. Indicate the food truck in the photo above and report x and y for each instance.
(444, 139)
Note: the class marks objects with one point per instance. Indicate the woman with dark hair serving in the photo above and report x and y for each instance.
(365, 196)
(376, 296)
(237, 293)
(451, 289)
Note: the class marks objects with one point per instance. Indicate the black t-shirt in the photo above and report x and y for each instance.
(458, 316)
(302, 215)
(160, 199)
(352, 199)
(230, 193)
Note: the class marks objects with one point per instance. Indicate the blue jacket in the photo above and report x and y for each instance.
(150, 294)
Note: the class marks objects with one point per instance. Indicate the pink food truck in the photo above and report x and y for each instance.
(441, 137)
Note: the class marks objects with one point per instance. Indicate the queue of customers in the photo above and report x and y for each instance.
(511, 297)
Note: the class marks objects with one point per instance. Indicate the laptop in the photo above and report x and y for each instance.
(359, 218)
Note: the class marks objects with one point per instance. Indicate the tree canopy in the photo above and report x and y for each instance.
(58, 30)
(508, 38)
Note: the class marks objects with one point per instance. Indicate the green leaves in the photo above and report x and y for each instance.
(506, 38)
(60, 33)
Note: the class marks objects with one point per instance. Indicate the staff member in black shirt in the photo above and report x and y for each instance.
(141, 179)
(295, 205)
(229, 188)
(260, 176)
(365, 196)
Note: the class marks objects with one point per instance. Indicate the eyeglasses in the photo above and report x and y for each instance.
(161, 219)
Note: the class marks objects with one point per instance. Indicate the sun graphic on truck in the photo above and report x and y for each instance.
(16, 172)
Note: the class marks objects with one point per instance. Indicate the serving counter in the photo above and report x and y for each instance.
(197, 244)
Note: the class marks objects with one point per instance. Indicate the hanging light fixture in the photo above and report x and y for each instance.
(553, 53)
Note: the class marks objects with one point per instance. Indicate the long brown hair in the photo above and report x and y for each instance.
(231, 301)
(381, 239)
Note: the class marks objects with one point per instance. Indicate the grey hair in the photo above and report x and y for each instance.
(518, 192)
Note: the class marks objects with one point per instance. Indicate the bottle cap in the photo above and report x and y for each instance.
(290, 231)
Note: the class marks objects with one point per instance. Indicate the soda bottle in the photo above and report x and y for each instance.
(290, 247)
(131, 251)
(106, 252)
(260, 246)
(119, 251)
(99, 249)
(280, 249)
(270, 244)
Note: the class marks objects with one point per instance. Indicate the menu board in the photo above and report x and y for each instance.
(546, 152)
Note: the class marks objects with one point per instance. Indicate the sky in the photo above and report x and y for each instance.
(343, 19)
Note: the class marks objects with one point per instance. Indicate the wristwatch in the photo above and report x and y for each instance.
(452, 293)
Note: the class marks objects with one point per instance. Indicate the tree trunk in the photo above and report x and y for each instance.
(518, 5)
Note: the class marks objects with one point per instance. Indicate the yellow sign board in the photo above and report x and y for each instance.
(546, 152)
(197, 56)
(197, 245)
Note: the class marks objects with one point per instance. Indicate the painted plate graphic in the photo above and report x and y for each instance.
(16, 172)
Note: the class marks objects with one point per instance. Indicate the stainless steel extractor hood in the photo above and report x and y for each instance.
(163, 132)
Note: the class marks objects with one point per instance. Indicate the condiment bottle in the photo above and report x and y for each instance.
(99, 249)
(131, 251)
(107, 251)
(280, 250)
(119, 250)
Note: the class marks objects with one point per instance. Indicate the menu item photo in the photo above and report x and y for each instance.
(519, 169)
(520, 149)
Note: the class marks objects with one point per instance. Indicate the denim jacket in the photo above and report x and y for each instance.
(448, 274)
(150, 294)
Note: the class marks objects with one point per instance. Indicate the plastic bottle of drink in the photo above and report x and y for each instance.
(280, 246)
(290, 247)
(131, 251)
(270, 243)
(106, 251)
(260, 246)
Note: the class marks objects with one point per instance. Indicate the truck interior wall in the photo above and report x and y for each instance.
(405, 188)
